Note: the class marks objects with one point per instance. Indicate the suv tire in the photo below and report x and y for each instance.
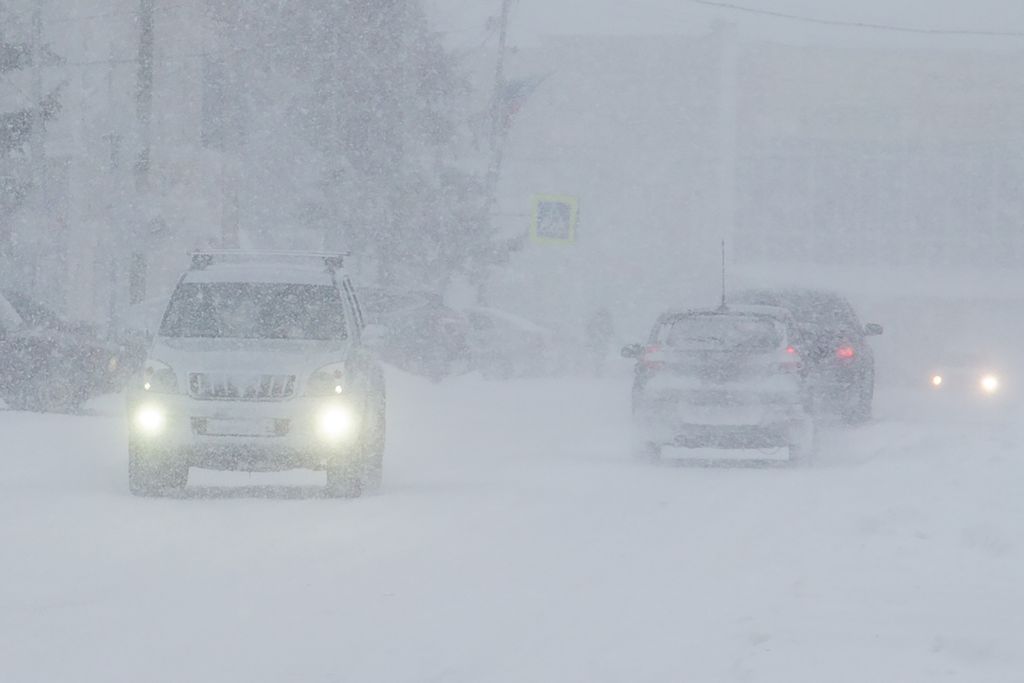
(150, 476)
(344, 481)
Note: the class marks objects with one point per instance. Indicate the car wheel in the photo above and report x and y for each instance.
(51, 396)
(151, 476)
(860, 412)
(648, 451)
(803, 444)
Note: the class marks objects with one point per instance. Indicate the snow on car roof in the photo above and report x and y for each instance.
(261, 272)
(773, 311)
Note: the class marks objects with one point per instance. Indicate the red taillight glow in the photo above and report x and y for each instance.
(652, 358)
(845, 352)
(791, 361)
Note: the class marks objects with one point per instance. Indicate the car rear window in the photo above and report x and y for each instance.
(255, 311)
(724, 333)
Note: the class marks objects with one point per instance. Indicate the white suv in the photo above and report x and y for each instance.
(259, 365)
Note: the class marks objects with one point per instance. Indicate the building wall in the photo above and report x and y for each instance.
(851, 157)
(106, 214)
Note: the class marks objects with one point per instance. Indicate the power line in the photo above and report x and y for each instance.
(857, 24)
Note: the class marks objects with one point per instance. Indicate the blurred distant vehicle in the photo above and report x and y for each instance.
(966, 374)
(503, 345)
(48, 363)
(423, 335)
(841, 363)
(728, 378)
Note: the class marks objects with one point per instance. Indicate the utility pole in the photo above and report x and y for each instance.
(38, 152)
(498, 112)
(497, 138)
(138, 267)
(727, 131)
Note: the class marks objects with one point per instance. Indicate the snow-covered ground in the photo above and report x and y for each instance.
(516, 540)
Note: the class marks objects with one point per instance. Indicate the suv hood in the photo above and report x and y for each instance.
(248, 356)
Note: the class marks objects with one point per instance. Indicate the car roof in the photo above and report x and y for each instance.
(776, 312)
(789, 293)
(269, 273)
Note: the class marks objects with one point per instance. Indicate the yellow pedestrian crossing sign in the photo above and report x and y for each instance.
(555, 218)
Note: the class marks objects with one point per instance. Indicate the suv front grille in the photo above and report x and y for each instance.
(223, 387)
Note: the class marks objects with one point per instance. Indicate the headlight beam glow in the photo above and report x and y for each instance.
(335, 423)
(150, 420)
(990, 384)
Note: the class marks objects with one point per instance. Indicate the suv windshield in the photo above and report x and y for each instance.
(255, 311)
(724, 333)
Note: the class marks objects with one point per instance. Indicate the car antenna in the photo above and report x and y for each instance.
(723, 306)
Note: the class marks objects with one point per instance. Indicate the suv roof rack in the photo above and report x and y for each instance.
(201, 259)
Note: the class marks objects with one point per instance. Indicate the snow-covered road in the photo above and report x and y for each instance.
(516, 540)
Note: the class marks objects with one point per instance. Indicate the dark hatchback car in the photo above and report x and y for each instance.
(48, 363)
(423, 335)
(841, 364)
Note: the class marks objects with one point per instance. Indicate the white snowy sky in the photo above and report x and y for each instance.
(463, 20)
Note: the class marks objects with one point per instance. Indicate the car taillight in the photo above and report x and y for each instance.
(845, 352)
(791, 361)
(652, 358)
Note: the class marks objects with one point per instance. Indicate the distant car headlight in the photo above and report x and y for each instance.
(150, 420)
(989, 384)
(335, 423)
(936, 381)
(158, 378)
(327, 381)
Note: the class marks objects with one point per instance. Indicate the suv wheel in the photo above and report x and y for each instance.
(344, 481)
(364, 474)
(149, 475)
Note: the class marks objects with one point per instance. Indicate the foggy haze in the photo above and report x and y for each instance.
(511, 340)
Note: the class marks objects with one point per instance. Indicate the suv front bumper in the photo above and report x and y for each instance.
(246, 435)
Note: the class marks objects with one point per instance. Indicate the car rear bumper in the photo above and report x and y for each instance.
(751, 424)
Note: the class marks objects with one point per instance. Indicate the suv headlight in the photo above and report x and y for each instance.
(327, 381)
(158, 378)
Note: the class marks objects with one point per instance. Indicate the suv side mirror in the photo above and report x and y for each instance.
(873, 330)
(633, 351)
